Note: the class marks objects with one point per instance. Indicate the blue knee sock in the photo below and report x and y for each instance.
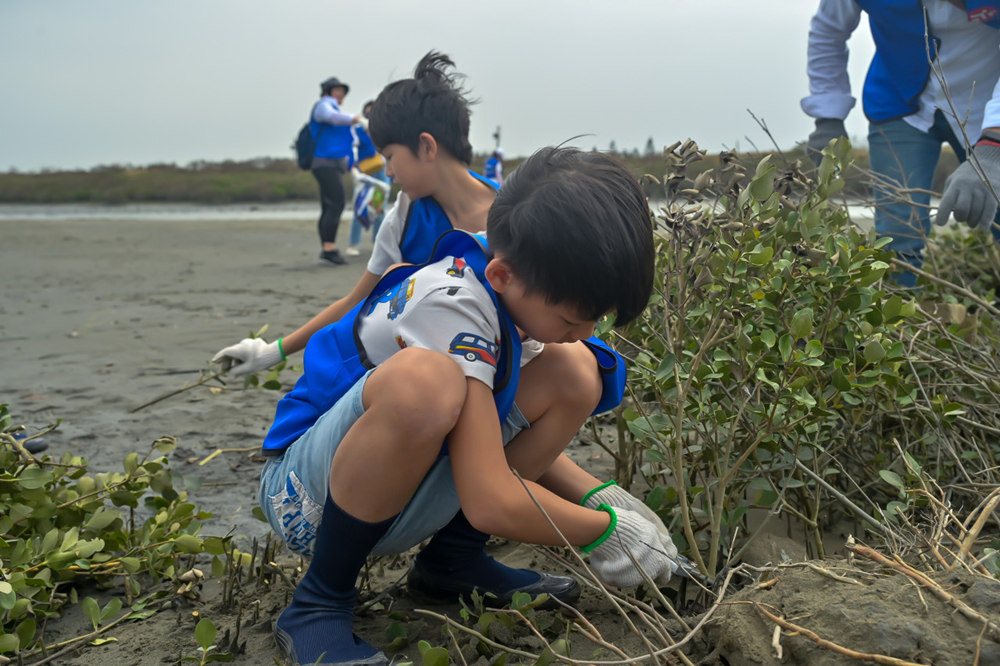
(319, 622)
(457, 551)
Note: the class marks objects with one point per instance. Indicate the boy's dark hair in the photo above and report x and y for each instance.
(575, 226)
(433, 101)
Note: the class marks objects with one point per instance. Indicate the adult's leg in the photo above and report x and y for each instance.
(332, 199)
(557, 391)
(410, 404)
(903, 160)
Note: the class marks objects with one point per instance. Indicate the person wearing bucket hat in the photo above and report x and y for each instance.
(330, 127)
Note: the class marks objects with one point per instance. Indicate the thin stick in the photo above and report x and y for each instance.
(977, 527)
(217, 452)
(951, 285)
(180, 390)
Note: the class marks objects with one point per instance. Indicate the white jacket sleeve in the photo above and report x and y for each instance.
(991, 114)
(829, 83)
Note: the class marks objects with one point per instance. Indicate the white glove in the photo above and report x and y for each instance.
(631, 534)
(615, 496)
(250, 355)
(967, 196)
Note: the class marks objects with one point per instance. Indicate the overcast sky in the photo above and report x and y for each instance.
(139, 82)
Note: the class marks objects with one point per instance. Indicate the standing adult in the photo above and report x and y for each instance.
(493, 168)
(331, 130)
(933, 79)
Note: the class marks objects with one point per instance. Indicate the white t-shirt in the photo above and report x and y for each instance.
(442, 307)
(386, 253)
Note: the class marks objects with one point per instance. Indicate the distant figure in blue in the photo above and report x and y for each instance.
(369, 162)
(494, 167)
(331, 130)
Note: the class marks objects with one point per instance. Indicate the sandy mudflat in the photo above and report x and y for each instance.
(99, 315)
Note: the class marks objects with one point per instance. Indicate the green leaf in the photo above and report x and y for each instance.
(874, 352)
(188, 543)
(91, 610)
(891, 478)
(204, 633)
(762, 256)
(767, 337)
(785, 347)
(101, 519)
(131, 564)
(802, 324)
(131, 463)
(435, 656)
(113, 608)
(9, 643)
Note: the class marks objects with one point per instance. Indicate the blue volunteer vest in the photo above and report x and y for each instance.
(900, 69)
(335, 358)
(366, 148)
(490, 168)
(334, 142)
(425, 223)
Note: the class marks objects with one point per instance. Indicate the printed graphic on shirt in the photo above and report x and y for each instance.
(457, 268)
(474, 348)
(983, 14)
(400, 342)
(298, 514)
(396, 297)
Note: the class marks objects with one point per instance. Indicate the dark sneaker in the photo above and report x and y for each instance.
(429, 588)
(332, 257)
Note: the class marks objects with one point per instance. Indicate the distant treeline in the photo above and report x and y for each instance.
(272, 180)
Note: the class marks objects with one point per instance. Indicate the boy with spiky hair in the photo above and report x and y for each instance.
(412, 406)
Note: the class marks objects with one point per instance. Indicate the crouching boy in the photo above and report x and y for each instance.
(405, 410)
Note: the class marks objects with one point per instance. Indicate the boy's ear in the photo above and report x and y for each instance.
(427, 146)
(499, 274)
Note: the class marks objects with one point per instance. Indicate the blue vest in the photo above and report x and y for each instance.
(335, 141)
(490, 168)
(425, 223)
(900, 69)
(335, 358)
(366, 148)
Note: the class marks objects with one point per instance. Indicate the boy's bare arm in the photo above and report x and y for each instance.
(568, 480)
(297, 340)
(493, 499)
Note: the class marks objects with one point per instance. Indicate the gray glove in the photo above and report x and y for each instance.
(827, 129)
(617, 497)
(250, 355)
(629, 535)
(966, 195)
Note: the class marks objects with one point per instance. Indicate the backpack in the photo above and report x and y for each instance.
(305, 146)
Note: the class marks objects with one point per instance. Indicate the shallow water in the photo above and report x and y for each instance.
(300, 210)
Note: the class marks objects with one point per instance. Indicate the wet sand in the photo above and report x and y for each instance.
(99, 315)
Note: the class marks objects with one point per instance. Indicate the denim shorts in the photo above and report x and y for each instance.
(294, 485)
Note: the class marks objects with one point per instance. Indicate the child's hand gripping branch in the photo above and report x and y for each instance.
(612, 495)
(631, 540)
(249, 355)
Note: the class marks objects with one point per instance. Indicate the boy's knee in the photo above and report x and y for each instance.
(577, 380)
(422, 388)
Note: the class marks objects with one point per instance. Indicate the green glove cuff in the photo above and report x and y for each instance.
(611, 528)
(282, 350)
(596, 490)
